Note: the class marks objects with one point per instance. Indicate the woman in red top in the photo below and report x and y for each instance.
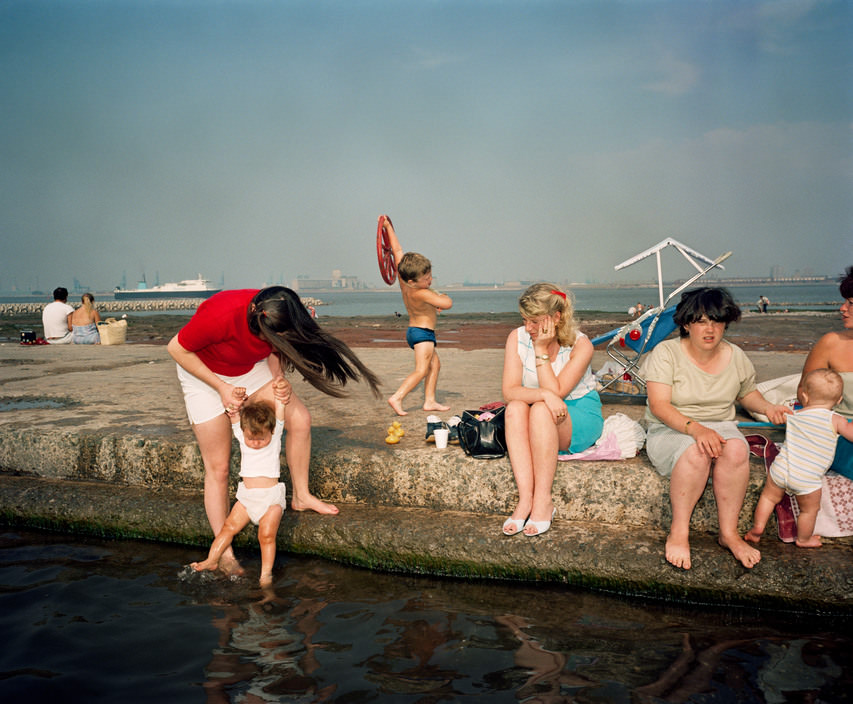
(229, 352)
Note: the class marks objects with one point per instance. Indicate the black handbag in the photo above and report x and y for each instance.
(480, 438)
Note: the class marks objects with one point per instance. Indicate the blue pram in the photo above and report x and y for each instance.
(627, 345)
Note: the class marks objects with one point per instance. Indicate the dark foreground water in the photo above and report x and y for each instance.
(96, 621)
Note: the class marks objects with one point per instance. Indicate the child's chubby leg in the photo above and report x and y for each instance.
(236, 521)
(267, 532)
(771, 495)
(809, 505)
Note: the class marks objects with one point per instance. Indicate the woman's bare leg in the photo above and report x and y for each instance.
(297, 451)
(517, 429)
(686, 485)
(731, 477)
(544, 445)
(214, 443)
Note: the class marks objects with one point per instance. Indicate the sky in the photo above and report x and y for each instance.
(254, 141)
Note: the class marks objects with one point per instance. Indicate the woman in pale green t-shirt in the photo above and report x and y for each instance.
(692, 385)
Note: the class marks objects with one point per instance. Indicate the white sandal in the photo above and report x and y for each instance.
(517, 523)
(541, 526)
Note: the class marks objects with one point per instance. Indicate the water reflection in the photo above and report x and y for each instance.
(111, 621)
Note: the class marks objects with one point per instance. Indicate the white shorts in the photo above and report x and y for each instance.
(202, 400)
(257, 501)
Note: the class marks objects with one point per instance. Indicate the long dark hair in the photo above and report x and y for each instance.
(278, 317)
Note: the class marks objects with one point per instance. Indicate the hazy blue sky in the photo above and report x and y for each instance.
(535, 139)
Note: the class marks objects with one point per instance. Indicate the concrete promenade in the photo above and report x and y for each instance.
(95, 440)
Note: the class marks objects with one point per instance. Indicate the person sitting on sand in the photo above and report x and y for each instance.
(261, 496)
(692, 383)
(84, 322)
(414, 272)
(810, 440)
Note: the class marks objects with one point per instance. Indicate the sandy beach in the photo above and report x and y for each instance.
(783, 332)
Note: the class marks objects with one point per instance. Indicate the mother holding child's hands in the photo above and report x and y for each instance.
(551, 401)
(692, 383)
(236, 348)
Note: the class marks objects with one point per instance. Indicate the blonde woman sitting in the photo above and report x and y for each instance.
(552, 403)
(84, 322)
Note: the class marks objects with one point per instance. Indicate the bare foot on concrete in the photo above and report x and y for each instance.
(813, 542)
(678, 552)
(397, 405)
(312, 503)
(753, 536)
(743, 551)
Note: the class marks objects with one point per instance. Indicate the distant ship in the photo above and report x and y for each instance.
(188, 288)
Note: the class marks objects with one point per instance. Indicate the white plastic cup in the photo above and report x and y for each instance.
(441, 435)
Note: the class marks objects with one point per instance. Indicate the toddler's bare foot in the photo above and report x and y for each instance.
(813, 542)
(743, 551)
(678, 553)
(204, 566)
(266, 579)
(754, 536)
(312, 503)
(397, 405)
(435, 406)
(229, 566)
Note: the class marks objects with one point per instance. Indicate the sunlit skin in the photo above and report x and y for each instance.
(537, 424)
(423, 305)
(706, 349)
(238, 518)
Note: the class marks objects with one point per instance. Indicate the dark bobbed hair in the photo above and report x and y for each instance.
(846, 286)
(716, 303)
(278, 316)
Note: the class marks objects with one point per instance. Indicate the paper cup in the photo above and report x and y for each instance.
(441, 435)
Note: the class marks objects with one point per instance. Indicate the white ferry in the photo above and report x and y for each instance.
(188, 288)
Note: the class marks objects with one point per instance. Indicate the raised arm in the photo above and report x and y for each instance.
(396, 249)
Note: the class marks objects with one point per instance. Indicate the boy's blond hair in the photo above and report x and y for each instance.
(413, 266)
(257, 418)
(548, 299)
(823, 385)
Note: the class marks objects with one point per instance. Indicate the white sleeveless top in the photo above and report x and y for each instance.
(529, 377)
(264, 461)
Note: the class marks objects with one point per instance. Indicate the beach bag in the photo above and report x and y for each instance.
(782, 390)
(481, 433)
(112, 331)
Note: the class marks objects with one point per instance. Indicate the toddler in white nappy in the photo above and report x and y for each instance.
(811, 436)
(261, 497)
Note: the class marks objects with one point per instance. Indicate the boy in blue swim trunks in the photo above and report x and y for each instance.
(414, 272)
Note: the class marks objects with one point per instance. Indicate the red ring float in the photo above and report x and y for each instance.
(387, 265)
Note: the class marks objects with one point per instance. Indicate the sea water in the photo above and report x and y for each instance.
(587, 298)
(608, 299)
(87, 620)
